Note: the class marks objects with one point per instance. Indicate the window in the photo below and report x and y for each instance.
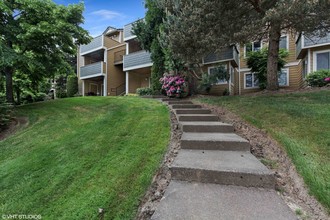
(254, 46)
(251, 80)
(214, 70)
(305, 68)
(283, 77)
(284, 42)
(323, 60)
(232, 72)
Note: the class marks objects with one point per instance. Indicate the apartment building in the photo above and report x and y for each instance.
(137, 62)
(306, 55)
(100, 65)
(114, 63)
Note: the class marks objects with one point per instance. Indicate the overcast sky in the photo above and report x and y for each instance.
(99, 14)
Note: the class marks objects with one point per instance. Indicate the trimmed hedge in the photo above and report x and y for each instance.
(318, 78)
(144, 91)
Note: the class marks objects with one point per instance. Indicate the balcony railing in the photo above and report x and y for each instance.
(98, 43)
(305, 42)
(225, 54)
(137, 60)
(92, 70)
(119, 56)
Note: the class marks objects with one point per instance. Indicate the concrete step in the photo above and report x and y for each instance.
(196, 117)
(193, 111)
(239, 168)
(185, 106)
(194, 201)
(214, 141)
(168, 99)
(179, 102)
(208, 127)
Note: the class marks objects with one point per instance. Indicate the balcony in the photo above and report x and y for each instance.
(93, 70)
(229, 53)
(304, 42)
(137, 60)
(119, 57)
(98, 43)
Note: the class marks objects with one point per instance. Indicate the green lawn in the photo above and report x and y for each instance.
(81, 154)
(301, 124)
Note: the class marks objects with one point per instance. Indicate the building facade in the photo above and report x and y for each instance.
(114, 63)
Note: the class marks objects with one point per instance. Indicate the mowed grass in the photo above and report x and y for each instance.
(81, 154)
(301, 124)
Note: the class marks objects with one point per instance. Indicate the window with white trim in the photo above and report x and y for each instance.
(213, 70)
(323, 60)
(284, 42)
(251, 80)
(283, 77)
(253, 46)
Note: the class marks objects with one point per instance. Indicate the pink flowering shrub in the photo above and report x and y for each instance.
(175, 86)
(327, 80)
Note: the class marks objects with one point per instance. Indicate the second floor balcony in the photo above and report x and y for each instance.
(229, 53)
(137, 60)
(93, 70)
(304, 42)
(98, 43)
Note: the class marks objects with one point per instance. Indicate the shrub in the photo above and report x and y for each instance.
(144, 91)
(72, 86)
(208, 80)
(318, 78)
(6, 111)
(175, 86)
(40, 96)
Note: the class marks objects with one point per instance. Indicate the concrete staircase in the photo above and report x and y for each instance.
(215, 176)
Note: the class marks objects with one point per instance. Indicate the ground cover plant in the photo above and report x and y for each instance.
(81, 154)
(300, 122)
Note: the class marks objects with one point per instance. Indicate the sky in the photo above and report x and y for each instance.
(99, 14)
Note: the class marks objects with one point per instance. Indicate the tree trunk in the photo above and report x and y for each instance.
(273, 56)
(9, 84)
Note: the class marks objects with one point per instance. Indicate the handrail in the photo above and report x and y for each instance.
(119, 89)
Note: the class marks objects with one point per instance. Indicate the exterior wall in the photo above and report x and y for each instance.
(137, 80)
(108, 42)
(115, 74)
(90, 84)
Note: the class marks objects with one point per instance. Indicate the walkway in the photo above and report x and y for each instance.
(215, 176)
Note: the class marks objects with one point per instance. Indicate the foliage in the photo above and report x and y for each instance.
(226, 92)
(257, 62)
(144, 91)
(208, 80)
(175, 86)
(149, 33)
(95, 151)
(37, 37)
(223, 23)
(60, 86)
(300, 122)
(72, 85)
(318, 78)
(6, 111)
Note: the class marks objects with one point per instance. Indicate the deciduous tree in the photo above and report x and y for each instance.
(36, 36)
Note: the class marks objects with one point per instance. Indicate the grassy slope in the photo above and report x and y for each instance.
(81, 154)
(301, 123)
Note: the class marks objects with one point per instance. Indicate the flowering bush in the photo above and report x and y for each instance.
(327, 80)
(175, 86)
(319, 78)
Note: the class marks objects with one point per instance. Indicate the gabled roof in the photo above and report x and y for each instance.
(110, 29)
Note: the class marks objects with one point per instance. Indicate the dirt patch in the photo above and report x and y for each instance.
(14, 125)
(289, 183)
(163, 176)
